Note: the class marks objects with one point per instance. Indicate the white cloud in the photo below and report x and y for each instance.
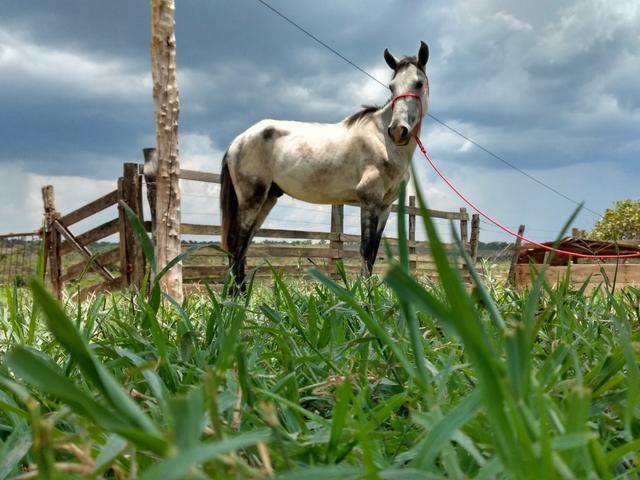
(198, 152)
(71, 72)
(21, 206)
(584, 24)
(512, 22)
(513, 200)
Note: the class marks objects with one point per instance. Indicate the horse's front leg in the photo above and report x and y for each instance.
(369, 221)
(382, 222)
(370, 191)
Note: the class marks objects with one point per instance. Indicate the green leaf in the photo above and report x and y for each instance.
(188, 414)
(339, 418)
(14, 448)
(115, 446)
(44, 375)
(66, 333)
(373, 326)
(442, 432)
(178, 466)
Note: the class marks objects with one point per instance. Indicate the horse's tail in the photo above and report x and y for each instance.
(228, 208)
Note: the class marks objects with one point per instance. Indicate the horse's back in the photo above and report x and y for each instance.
(314, 162)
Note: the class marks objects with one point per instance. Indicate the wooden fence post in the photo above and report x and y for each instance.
(167, 108)
(131, 254)
(336, 244)
(52, 241)
(464, 227)
(413, 264)
(475, 237)
(514, 260)
(578, 233)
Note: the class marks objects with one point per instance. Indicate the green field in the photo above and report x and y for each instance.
(387, 378)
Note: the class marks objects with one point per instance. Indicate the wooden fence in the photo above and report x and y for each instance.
(121, 263)
(593, 274)
(531, 260)
(71, 256)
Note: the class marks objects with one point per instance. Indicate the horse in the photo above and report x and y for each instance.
(362, 159)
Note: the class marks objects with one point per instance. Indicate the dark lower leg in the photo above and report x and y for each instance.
(237, 261)
(376, 246)
(368, 243)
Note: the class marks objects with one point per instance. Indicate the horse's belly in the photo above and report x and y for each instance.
(327, 190)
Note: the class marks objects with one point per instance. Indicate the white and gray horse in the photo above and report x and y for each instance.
(362, 159)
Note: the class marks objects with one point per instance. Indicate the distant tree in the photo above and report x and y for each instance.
(619, 223)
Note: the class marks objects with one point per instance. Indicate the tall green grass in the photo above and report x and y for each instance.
(326, 379)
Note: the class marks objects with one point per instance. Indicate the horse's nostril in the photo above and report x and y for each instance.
(390, 132)
(404, 132)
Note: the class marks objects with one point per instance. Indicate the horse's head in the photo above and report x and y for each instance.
(409, 94)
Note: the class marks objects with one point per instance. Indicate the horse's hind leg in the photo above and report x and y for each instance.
(252, 213)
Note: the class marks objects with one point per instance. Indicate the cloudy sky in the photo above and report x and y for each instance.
(551, 86)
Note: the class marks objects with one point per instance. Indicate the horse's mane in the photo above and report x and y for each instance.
(368, 110)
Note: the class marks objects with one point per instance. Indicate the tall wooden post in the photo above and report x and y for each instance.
(131, 254)
(52, 241)
(511, 277)
(475, 237)
(464, 227)
(336, 244)
(167, 108)
(413, 264)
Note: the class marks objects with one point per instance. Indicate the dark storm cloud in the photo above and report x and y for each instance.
(544, 84)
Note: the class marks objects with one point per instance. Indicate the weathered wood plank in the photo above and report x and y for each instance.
(199, 176)
(90, 208)
(434, 213)
(105, 258)
(218, 272)
(83, 251)
(199, 229)
(260, 250)
(93, 235)
(625, 274)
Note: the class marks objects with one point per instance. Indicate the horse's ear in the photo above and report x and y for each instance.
(423, 54)
(390, 59)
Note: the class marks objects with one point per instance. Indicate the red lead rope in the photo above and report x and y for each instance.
(502, 227)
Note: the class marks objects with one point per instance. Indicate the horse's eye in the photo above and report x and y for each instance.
(419, 85)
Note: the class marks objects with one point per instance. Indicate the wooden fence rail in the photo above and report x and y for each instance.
(73, 252)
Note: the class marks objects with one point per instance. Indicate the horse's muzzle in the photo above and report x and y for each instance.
(399, 134)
